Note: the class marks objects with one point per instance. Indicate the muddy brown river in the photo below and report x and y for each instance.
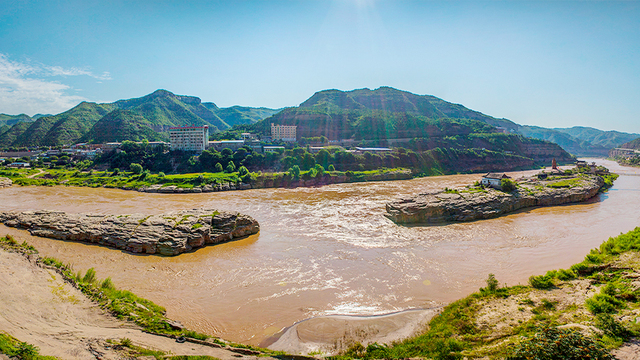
(330, 250)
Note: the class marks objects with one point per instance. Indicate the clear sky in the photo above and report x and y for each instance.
(546, 63)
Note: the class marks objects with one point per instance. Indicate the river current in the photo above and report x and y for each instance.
(330, 250)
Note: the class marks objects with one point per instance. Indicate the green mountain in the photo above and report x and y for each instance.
(14, 119)
(121, 125)
(633, 144)
(393, 100)
(390, 117)
(64, 128)
(147, 117)
(164, 108)
(10, 136)
(607, 139)
(240, 115)
(581, 141)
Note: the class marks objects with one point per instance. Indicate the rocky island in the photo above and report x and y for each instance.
(165, 234)
(483, 201)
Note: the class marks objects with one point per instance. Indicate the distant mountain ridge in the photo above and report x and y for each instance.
(362, 113)
(146, 117)
(581, 141)
(391, 117)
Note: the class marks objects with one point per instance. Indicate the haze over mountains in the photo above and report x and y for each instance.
(362, 114)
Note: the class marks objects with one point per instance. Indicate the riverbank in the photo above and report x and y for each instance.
(50, 309)
(476, 202)
(198, 182)
(165, 234)
(589, 309)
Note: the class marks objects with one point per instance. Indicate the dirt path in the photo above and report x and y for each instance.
(38, 307)
(36, 174)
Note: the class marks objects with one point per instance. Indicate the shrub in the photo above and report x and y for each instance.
(135, 168)
(107, 284)
(541, 282)
(492, 283)
(218, 167)
(319, 170)
(332, 168)
(553, 343)
(565, 275)
(612, 328)
(243, 171)
(90, 276)
(231, 167)
(116, 172)
(507, 185)
(603, 304)
(161, 175)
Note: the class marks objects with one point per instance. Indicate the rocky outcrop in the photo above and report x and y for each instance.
(166, 234)
(5, 182)
(475, 204)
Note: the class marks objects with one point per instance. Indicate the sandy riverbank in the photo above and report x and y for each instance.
(332, 333)
(38, 307)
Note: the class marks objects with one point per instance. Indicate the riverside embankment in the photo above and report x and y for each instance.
(329, 250)
(476, 202)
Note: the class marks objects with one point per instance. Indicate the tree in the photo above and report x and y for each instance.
(231, 167)
(294, 171)
(492, 283)
(219, 167)
(135, 168)
(243, 171)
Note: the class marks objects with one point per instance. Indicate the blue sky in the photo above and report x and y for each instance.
(546, 63)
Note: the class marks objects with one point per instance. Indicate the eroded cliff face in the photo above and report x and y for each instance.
(166, 234)
(469, 205)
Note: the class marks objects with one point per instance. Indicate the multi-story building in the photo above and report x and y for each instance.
(283, 132)
(189, 138)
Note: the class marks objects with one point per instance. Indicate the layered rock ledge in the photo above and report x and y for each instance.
(475, 203)
(165, 234)
(5, 182)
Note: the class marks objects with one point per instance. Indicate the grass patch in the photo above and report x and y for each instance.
(13, 347)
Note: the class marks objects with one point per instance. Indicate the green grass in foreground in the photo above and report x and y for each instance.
(13, 347)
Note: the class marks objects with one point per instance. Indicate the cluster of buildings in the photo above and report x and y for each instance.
(196, 139)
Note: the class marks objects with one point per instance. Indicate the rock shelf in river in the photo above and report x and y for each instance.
(166, 234)
(475, 203)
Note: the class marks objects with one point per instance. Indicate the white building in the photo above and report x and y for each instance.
(283, 132)
(189, 138)
(494, 180)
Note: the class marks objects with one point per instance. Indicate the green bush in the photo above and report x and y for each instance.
(603, 304)
(492, 283)
(231, 167)
(135, 168)
(552, 343)
(541, 282)
(565, 275)
(218, 167)
(90, 276)
(243, 171)
(612, 327)
(507, 185)
(332, 168)
(294, 172)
